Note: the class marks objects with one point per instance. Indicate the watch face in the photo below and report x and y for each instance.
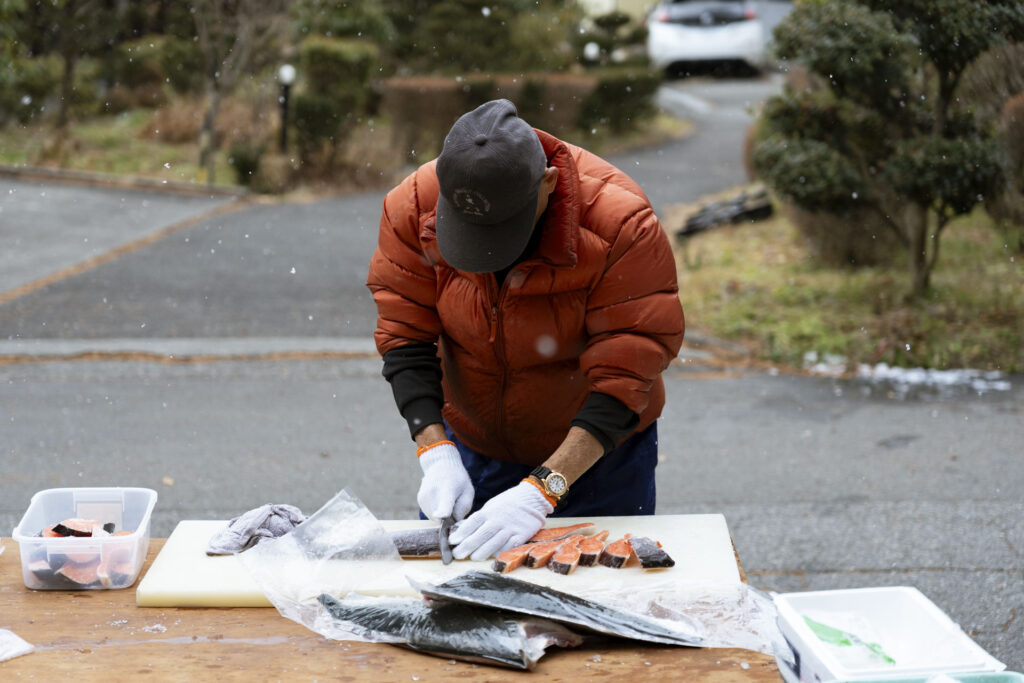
(557, 484)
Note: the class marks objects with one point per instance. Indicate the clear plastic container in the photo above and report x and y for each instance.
(85, 563)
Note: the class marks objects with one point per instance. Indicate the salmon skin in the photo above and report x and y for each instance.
(501, 592)
(452, 629)
(616, 553)
(83, 528)
(420, 543)
(558, 533)
(567, 557)
(590, 548)
(650, 553)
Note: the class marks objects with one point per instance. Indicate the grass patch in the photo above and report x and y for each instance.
(757, 284)
(109, 144)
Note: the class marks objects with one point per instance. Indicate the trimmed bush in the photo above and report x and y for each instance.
(244, 157)
(622, 99)
(336, 74)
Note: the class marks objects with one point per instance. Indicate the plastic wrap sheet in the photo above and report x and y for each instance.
(320, 556)
(723, 614)
(12, 645)
(306, 575)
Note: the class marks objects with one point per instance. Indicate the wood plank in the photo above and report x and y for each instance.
(103, 635)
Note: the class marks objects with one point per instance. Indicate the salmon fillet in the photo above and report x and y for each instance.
(590, 548)
(559, 532)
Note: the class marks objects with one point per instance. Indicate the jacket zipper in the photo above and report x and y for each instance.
(498, 351)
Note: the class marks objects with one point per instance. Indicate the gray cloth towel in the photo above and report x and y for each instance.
(249, 528)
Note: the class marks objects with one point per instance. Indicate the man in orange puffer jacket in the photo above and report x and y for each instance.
(527, 305)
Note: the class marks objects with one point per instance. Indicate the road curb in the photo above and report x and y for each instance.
(186, 350)
(130, 182)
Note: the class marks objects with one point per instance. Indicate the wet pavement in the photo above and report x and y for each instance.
(219, 352)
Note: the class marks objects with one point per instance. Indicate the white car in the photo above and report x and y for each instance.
(682, 33)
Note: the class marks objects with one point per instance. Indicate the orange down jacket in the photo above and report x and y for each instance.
(594, 309)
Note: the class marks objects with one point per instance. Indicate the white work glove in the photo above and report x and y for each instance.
(445, 489)
(508, 520)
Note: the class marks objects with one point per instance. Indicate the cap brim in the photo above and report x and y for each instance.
(476, 248)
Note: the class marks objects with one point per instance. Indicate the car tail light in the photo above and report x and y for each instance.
(749, 13)
(661, 15)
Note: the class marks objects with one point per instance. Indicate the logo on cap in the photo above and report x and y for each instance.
(471, 202)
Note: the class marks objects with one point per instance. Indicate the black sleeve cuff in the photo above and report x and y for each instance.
(607, 419)
(421, 412)
(414, 373)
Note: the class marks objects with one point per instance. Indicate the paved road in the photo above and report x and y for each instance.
(228, 363)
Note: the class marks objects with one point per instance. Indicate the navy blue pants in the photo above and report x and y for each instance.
(620, 483)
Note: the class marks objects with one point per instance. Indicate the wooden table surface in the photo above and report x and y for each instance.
(103, 635)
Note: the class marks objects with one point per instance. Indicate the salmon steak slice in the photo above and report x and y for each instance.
(82, 574)
(567, 557)
(590, 548)
(512, 558)
(541, 553)
(616, 553)
(650, 553)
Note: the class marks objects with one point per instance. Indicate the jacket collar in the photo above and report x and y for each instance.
(561, 220)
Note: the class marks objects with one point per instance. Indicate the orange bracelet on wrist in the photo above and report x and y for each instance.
(553, 501)
(423, 449)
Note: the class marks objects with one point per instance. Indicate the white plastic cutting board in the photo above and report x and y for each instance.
(183, 575)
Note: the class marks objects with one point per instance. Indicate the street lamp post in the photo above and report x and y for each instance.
(286, 75)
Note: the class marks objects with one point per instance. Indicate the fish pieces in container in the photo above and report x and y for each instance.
(85, 538)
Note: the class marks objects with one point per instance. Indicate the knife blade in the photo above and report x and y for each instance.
(446, 548)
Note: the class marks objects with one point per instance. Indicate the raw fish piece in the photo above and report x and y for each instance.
(567, 557)
(541, 553)
(83, 574)
(590, 548)
(616, 554)
(650, 553)
(75, 527)
(512, 558)
(423, 543)
(499, 591)
(558, 533)
(453, 629)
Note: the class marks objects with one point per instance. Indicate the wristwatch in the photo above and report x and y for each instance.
(555, 484)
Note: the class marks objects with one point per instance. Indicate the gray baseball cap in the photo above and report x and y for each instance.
(489, 172)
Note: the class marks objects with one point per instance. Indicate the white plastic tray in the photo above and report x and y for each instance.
(908, 626)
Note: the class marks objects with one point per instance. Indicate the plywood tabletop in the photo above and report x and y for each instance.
(103, 635)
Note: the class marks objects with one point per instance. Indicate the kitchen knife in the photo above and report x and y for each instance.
(446, 548)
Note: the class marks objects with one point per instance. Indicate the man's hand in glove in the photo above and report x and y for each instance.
(445, 489)
(508, 520)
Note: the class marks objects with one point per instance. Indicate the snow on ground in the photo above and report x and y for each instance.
(902, 380)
